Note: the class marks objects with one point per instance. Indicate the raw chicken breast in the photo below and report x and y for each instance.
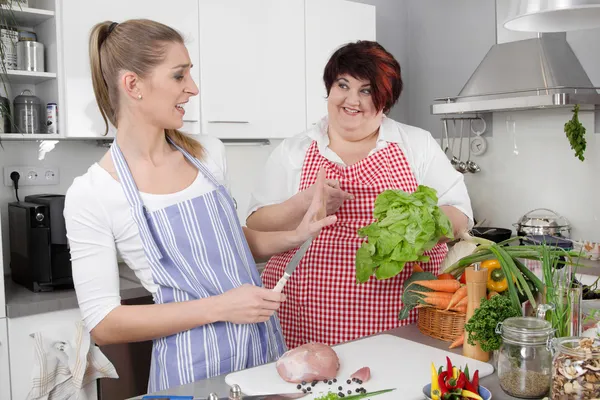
(309, 362)
(363, 374)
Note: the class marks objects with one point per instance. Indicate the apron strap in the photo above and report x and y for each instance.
(135, 201)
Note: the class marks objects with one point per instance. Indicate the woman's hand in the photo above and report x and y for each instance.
(334, 196)
(316, 217)
(248, 304)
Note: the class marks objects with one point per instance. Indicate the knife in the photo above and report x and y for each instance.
(289, 270)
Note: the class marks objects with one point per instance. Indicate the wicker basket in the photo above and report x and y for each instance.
(441, 324)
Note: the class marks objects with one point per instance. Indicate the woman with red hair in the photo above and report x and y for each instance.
(364, 153)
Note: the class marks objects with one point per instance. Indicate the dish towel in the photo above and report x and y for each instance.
(65, 363)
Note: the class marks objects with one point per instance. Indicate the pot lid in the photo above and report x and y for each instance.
(543, 217)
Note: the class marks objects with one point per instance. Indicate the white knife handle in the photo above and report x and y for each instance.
(279, 287)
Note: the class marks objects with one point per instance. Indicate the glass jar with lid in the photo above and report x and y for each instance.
(575, 368)
(525, 358)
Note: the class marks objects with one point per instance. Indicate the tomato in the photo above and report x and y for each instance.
(445, 276)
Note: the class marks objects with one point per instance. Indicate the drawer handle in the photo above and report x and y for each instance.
(228, 122)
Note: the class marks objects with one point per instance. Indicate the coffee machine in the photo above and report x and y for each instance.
(39, 253)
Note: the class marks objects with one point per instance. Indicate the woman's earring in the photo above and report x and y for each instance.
(139, 96)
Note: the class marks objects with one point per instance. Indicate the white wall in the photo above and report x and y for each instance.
(447, 40)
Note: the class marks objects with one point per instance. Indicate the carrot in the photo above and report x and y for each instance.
(458, 342)
(441, 295)
(437, 302)
(458, 296)
(444, 285)
(417, 268)
(461, 310)
(460, 305)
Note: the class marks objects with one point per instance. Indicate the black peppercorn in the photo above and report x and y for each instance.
(335, 380)
(348, 381)
(341, 394)
(303, 383)
(340, 388)
(330, 382)
(349, 391)
(308, 389)
(324, 380)
(304, 390)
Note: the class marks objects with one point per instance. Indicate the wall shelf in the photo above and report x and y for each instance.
(25, 16)
(15, 76)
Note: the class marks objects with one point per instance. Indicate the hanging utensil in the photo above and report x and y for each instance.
(445, 123)
(471, 165)
(461, 166)
(454, 161)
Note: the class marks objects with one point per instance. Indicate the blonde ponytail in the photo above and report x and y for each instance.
(101, 91)
(189, 144)
(136, 45)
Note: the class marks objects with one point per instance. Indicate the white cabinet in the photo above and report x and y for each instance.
(329, 25)
(21, 347)
(4, 364)
(252, 68)
(78, 17)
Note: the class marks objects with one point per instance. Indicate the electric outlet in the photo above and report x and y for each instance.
(32, 176)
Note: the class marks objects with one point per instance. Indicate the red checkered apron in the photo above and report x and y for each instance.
(324, 302)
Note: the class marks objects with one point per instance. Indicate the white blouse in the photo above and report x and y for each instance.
(100, 228)
(430, 166)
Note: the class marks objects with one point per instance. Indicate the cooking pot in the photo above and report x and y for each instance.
(543, 221)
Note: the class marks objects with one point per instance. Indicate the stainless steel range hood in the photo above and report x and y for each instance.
(528, 74)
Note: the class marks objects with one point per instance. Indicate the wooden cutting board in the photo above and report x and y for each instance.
(394, 363)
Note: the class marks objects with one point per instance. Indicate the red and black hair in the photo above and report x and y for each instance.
(369, 61)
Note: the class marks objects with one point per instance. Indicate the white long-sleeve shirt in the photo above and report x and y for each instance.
(100, 228)
(430, 166)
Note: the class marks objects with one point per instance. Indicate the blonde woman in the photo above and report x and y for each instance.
(158, 199)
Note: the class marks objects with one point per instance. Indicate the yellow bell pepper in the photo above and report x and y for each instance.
(496, 281)
(470, 395)
(435, 386)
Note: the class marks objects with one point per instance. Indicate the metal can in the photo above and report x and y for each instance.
(52, 118)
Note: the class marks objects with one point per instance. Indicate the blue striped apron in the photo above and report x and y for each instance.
(197, 249)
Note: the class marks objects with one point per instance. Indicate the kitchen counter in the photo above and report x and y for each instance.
(21, 302)
(202, 389)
